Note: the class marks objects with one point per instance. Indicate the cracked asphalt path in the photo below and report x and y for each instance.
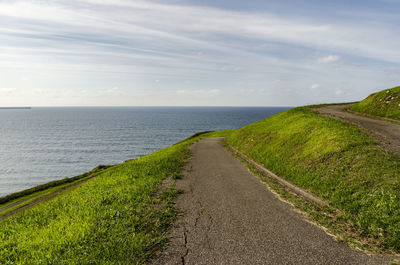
(230, 217)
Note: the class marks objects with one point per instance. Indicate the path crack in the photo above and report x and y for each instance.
(186, 247)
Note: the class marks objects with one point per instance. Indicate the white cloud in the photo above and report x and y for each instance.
(199, 92)
(314, 86)
(7, 91)
(339, 92)
(328, 59)
(247, 91)
(113, 91)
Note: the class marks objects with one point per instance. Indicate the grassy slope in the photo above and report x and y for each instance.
(385, 103)
(335, 161)
(40, 188)
(20, 199)
(115, 218)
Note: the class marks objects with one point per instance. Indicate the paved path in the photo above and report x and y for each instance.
(387, 133)
(230, 217)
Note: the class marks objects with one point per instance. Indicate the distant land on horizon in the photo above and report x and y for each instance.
(15, 107)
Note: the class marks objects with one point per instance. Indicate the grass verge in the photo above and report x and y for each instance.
(16, 201)
(335, 161)
(328, 218)
(15, 197)
(116, 218)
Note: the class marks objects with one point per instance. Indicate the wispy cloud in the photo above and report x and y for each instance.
(328, 59)
(200, 92)
(182, 30)
(92, 43)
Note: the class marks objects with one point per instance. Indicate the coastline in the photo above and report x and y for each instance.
(291, 144)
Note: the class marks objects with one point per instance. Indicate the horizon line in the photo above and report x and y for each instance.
(146, 106)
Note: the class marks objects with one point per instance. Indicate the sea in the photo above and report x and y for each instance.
(41, 144)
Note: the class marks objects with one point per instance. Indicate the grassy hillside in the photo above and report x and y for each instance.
(335, 161)
(385, 103)
(11, 203)
(117, 217)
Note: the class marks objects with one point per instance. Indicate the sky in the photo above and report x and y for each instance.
(196, 52)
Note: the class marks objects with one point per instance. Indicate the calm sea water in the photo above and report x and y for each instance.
(44, 144)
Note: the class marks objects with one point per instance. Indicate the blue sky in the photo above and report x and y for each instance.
(196, 52)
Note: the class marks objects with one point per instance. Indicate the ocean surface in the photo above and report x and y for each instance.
(42, 144)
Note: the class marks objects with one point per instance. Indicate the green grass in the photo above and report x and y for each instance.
(116, 218)
(120, 218)
(32, 197)
(335, 161)
(12, 198)
(385, 103)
